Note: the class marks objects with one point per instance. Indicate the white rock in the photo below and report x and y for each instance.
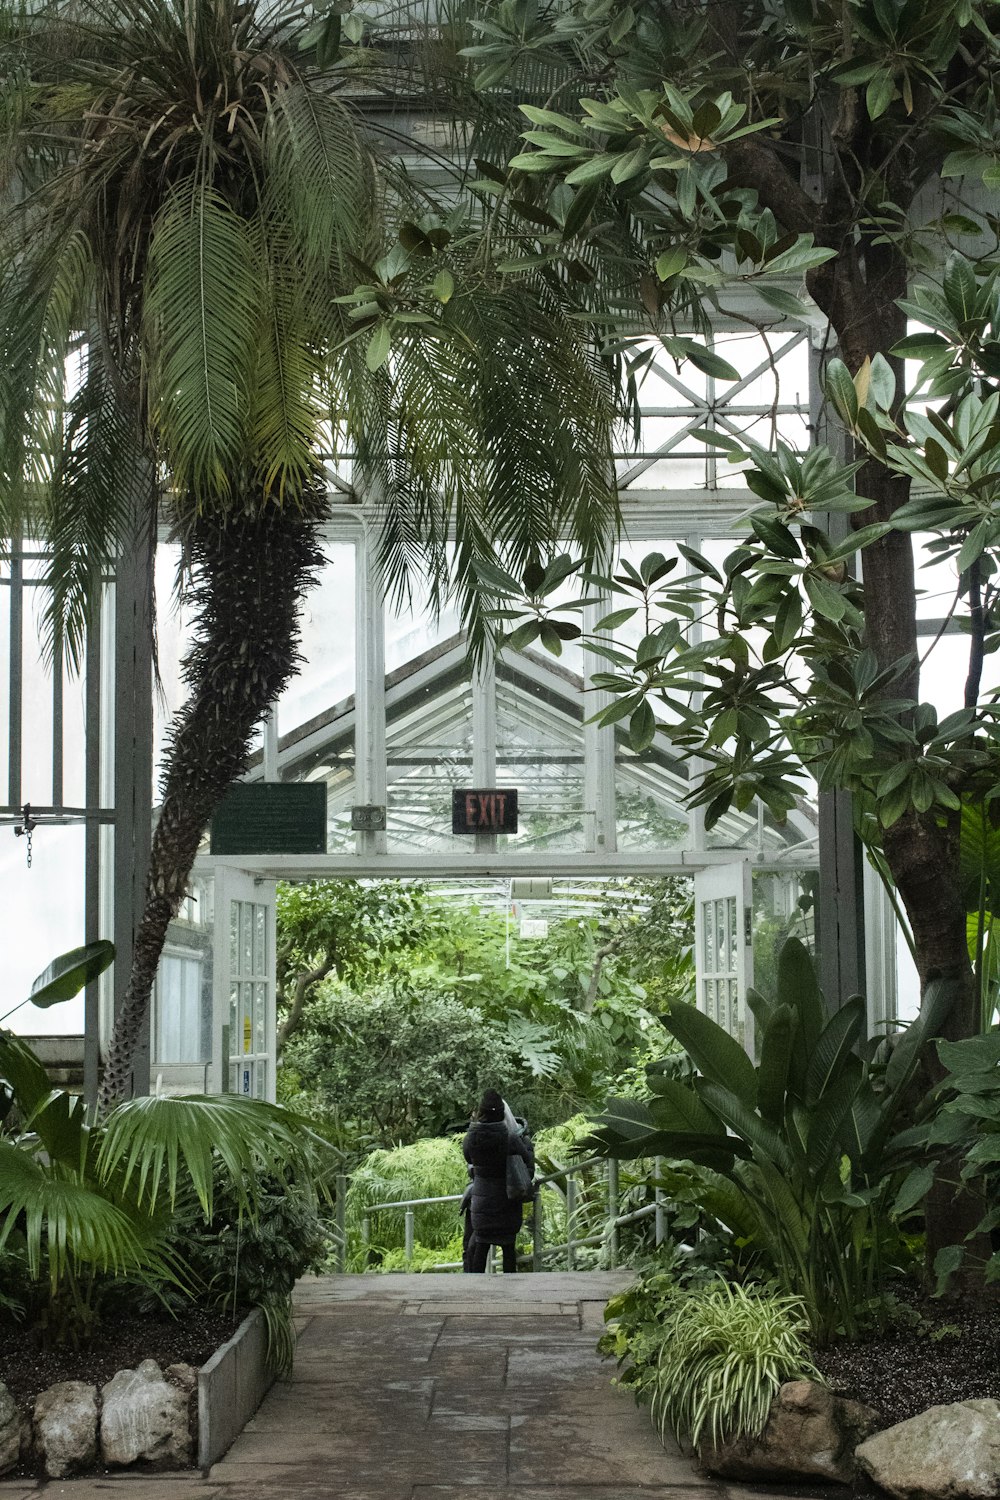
(946, 1453)
(145, 1418)
(10, 1430)
(66, 1427)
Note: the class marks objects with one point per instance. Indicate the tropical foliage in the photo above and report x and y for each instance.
(396, 1066)
(426, 1169)
(554, 1021)
(199, 296)
(783, 163)
(802, 1155)
(964, 1130)
(85, 1205)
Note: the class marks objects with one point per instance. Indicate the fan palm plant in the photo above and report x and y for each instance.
(87, 1202)
(191, 199)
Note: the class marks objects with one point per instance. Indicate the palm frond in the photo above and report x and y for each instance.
(286, 408)
(91, 501)
(201, 313)
(151, 1140)
(321, 176)
(64, 1221)
(44, 292)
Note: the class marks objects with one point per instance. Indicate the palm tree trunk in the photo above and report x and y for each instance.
(250, 567)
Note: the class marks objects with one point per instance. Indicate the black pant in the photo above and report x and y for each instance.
(479, 1254)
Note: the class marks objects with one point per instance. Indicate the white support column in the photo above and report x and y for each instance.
(696, 768)
(880, 952)
(484, 737)
(600, 809)
(271, 744)
(370, 737)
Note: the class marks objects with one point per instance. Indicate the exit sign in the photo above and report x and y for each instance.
(484, 810)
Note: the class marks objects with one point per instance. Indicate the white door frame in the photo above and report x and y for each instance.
(723, 925)
(236, 885)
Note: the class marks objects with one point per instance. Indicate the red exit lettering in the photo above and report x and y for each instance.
(485, 809)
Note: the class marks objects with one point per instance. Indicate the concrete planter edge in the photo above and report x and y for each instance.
(231, 1387)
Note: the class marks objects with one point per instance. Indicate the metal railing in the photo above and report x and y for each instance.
(607, 1239)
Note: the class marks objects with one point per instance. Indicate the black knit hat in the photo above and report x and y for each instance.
(491, 1106)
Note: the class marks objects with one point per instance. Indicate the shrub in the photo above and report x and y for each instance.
(424, 1169)
(800, 1156)
(398, 1066)
(634, 1317)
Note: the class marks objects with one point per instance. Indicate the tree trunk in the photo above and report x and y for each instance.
(921, 849)
(250, 568)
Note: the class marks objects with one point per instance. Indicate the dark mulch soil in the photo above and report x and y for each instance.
(119, 1343)
(934, 1352)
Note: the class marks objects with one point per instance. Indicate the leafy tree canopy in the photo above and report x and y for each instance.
(782, 163)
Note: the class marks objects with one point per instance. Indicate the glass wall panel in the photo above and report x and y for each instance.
(182, 1001)
(428, 751)
(540, 751)
(770, 397)
(4, 676)
(326, 675)
(36, 706)
(785, 904)
(42, 917)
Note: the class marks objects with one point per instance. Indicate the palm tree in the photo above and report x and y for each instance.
(193, 296)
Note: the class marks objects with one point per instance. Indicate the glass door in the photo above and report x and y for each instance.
(724, 948)
(245, 984)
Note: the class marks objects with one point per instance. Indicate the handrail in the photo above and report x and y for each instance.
(609, 1237)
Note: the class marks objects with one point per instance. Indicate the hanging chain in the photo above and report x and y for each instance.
(26, 828)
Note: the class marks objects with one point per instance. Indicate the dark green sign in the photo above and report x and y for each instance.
(271, 817)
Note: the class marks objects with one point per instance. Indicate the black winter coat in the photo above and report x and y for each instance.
(495, 1217)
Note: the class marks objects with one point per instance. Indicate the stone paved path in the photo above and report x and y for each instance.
(436, 1388)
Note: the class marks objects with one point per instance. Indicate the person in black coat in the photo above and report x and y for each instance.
(495, 1218)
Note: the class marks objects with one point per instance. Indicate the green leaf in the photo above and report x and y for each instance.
(670, 262)
(67, 975)
(827, 1120)
(833, 1046)
(523, 635)
(677, 1107)
(879, 94)
(946, 1263)
(642, 727)
(776, 536)
(775, 1057)
(784, 302)
(379, 346)
(709, 363)
(825, 599)
(915, 1186)
(788, 618)
(765, 1142)
(936, 1005)
(841, 391)
(717, 1055)
(443, 286)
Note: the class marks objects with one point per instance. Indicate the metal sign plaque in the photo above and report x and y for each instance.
(484, 810)
(271, 817)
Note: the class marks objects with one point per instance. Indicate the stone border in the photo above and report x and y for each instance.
(231, 1387)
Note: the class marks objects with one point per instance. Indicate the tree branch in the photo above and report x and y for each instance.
(753, 163)
(303, 984)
